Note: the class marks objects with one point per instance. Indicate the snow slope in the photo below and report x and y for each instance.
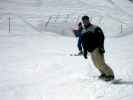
(39, 67)
(36, 65)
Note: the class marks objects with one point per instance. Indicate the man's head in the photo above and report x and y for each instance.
(85, 20)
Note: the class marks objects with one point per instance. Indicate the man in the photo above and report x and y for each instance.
(78, 34)
(93, 42)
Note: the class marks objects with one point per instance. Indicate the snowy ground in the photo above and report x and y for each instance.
(37, 65)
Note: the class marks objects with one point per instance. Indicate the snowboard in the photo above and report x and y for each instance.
(97, 79)
(114, 81)
(76, 54)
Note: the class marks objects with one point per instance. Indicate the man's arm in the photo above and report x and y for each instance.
(84, 44)
(75, 32)
(100, 39)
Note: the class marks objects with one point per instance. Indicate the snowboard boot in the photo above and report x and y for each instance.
(106, 78)
(102, 76)
(109, 78)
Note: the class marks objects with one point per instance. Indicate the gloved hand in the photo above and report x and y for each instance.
(85, 56)
(101, 51)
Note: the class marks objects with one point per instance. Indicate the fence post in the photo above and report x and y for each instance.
(9, 24)
(121, 28)
(48, 21)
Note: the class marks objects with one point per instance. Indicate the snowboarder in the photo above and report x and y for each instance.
(77, 33)
(93, 42)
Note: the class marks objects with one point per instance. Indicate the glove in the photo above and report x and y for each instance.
(85, 56)
(101, 51)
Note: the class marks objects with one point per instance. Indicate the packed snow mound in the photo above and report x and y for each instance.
(41, 15)
(62, 25)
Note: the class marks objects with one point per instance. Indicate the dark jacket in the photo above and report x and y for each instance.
(93, 38)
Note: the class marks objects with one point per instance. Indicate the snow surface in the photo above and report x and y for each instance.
(36, 65)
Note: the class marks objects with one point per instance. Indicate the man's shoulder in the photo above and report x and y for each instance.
(95, 26)
(91, 28)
